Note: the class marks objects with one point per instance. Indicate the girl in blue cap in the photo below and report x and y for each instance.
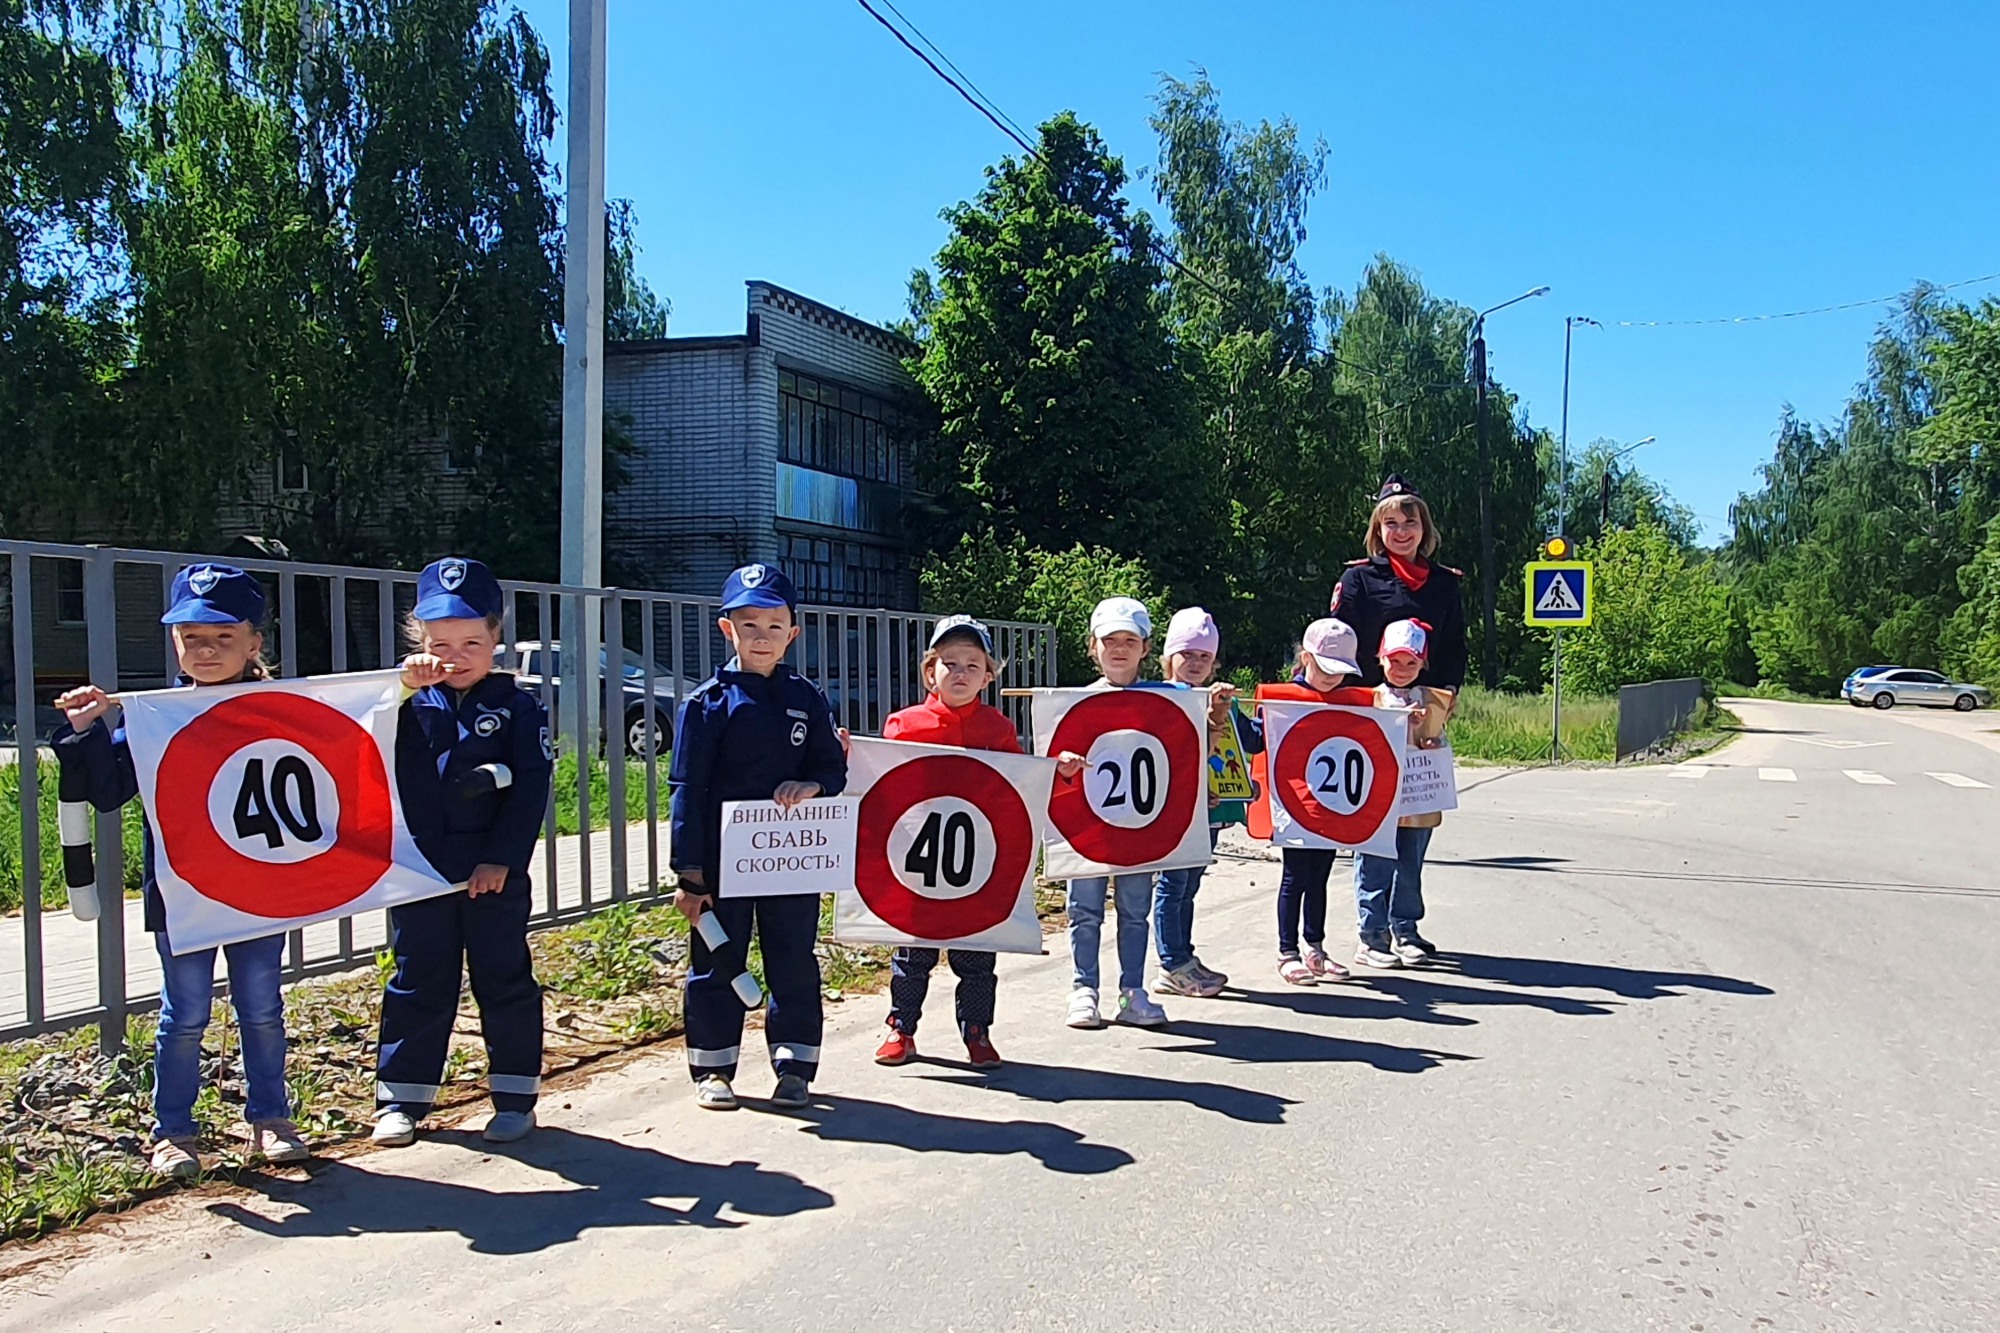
(214, 612)
(473, 759)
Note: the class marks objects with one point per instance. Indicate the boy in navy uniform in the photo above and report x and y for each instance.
(472, 771)
(757, 731)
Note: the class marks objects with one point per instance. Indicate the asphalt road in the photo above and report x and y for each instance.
(1713, 1050)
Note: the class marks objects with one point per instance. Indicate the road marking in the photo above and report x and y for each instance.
(1836, 743)
(1777, 775)
(1867, 779)
(1689, 770)
(1957, 780)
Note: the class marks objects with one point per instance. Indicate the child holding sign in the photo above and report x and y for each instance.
(958, 669)
(1121, 631)
(1389, 891)
(1326, 663)
(214, 612)
(1189, 661)
(473, 760)
(755, 731)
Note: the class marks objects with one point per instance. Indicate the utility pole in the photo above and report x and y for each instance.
(1488, 574)
(583, 355)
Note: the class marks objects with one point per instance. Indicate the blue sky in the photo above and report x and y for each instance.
(1647, 161)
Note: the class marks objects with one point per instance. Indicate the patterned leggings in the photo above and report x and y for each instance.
(910, 982)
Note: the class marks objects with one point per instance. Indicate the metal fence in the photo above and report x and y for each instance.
(83, 613)
(1650, 713)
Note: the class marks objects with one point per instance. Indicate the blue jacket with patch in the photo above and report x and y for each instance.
(740, 735)
(459, 819)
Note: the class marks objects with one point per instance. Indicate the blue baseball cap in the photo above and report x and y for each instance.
(951, 625)
(214, 595)
(456, 588)
(759, 585)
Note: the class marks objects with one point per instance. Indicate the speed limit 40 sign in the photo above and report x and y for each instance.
(1141, 802)
(273, 805)
(945, 843)
(1334, 775)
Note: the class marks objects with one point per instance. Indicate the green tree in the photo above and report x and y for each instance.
(1604, 486)
(986, 576)
(62, 165)
(632, 310)
(1659, 615)
(1279, 432)
(1063, 410)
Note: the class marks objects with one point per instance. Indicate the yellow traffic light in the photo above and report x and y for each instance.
(1556, 548)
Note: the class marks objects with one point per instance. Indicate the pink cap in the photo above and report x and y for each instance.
(1331, 643)
(1411, 638)
(1193, 628)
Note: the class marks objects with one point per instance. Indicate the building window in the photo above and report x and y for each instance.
(461, 451)
(69, 592)
(292, 476)
(837, 573)
(832, 429)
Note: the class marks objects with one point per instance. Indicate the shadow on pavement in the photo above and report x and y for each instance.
(1258, 1045)
(1632, 983)
(853, 1120)
(1556, 866)
(616, 1182)
(1414, 997)
(1056, 1084)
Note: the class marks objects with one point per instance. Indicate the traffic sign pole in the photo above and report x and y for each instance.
(1556, 736)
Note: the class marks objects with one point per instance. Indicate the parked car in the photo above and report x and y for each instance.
(1908, 685)
(648, 722)
(1847, 686)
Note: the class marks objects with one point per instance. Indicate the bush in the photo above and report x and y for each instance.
(53, 895)
(986, 577)
(1658, 617)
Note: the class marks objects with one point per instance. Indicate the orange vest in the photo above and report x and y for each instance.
(1259, 813)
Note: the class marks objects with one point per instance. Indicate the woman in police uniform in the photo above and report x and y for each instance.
(1401, 581)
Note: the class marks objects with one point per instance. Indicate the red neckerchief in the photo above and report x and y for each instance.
(1413, 573)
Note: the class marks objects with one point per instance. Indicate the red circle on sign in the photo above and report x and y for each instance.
(1187, 767)
(1294, 787)
(920, 780)
(361, 844)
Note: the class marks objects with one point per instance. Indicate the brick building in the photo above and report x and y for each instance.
(789, 441)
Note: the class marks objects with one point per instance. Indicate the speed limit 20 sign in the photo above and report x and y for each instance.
(1334, 775)
(945, 843)
(1141, 802)
(273, 805)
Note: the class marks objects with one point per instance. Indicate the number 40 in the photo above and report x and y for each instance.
(289, 804)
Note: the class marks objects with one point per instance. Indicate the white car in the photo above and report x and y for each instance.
(1910, 685)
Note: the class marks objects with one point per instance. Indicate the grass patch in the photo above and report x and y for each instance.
(1495, 728)
(73, 1124)
(1770, 689)
(565, 781)
(12, 864)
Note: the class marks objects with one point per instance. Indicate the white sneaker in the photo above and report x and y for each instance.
(394, 1129)
(1367, 955)
(1083, 1009)
(713, 1093)
(509, 1126)
(1411, 954)
(1136, 1008)
(175, 1159)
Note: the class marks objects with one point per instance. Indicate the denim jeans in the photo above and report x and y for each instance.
(1086, 924)
(1389, 891)
(187, 992)
(1302, 893)
(1173, 911)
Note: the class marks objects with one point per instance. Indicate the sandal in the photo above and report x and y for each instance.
(1324, 968)
(1296, 972)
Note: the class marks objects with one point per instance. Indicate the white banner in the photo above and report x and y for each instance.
(1430, 781)
(274, 804)
(768, 850)
(945, 847)
(1335, 775)
(1141, 802)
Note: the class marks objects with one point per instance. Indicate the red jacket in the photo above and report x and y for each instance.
(977, 726)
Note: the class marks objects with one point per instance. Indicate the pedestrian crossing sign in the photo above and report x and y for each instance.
(1559, 593)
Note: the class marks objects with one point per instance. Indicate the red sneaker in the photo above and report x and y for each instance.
(979, 1049)
(896, 1048)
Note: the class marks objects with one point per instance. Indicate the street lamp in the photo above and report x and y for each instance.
(1604, 483)
(1488, 576)
(1562, 489)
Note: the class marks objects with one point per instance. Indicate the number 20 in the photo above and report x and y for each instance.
(1353, 777)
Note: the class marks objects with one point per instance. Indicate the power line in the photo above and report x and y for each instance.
(987, 107)
(1792, 314)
